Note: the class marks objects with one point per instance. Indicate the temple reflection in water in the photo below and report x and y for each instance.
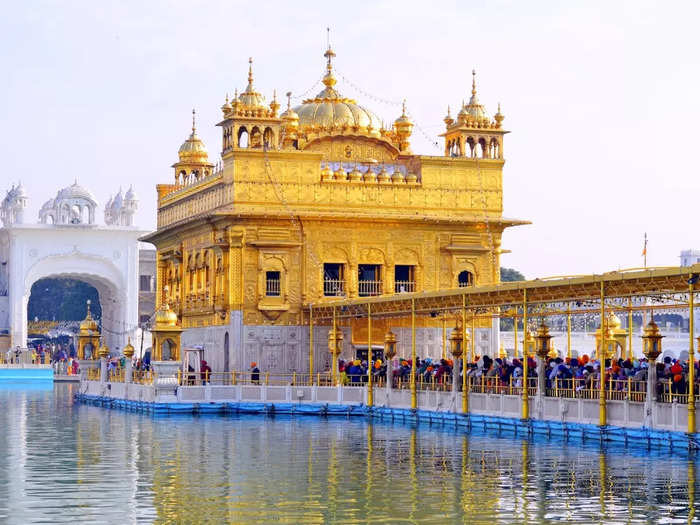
(113, 465)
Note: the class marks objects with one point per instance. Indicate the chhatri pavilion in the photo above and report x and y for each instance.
(319, 202)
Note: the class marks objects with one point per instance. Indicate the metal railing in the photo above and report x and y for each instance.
(143, 377)
(369, 288)
(615, 389)
(250, 378)
(404, 286)
(334, 288)
(273, 287)
(670, 392)
(116, 376)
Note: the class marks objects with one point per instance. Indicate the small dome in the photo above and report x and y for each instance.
(130, 196)
(117, 201)
(165, 317)
(128, 349)
(88, 326)
(75, 191)
(49, 204)
(193, 150)
(250, 97)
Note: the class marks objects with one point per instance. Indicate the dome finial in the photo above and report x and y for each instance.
(403, 108)
(194, 127)
(289, 100)
(473, 81)
(250, 73)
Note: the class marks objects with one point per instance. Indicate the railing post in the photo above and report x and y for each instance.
(691, 356)
(465, 392)
(370, 392)
(568, 330)
(311, 339)
(414, 397)
(602, 405)
(526, 399)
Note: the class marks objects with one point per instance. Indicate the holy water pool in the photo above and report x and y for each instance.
(65, 462)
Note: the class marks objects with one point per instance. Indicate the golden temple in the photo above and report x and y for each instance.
(321, 202)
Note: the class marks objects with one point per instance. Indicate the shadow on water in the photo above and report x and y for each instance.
(66, 461)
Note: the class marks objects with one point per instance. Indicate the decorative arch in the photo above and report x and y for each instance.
(371, 256)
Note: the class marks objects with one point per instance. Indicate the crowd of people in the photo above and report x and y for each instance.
(572, 374)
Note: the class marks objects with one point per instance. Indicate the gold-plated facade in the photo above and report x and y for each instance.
(324, 202)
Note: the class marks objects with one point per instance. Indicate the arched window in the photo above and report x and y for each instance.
(255, 137)
(465, 278)
(242, 137)
(482, 153)
(268, 138)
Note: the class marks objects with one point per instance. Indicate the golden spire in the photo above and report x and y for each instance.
(194, 128)
(473, 81)
(289, 100)
(329, 79)
(250, 74)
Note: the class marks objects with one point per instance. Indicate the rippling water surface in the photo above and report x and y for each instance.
(64, 462)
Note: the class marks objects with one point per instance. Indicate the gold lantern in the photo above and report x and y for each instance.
(652, 340)
(529, 344)
(389, 345)
(457, 337)
(543, 341)
(335, 341)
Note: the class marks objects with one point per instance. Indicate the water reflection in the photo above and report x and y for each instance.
(64, 462)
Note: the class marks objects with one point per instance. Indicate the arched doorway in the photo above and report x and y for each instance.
(119, 315)
(226, 356)
(54, 310)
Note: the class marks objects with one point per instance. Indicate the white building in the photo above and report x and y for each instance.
(690, 257)
(68, 242)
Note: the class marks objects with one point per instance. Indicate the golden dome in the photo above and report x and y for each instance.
(165, 316)
(193, 149)
(614, 322)
(88, 324)
(128, 349)
(251, 98)
(289, 114)
(330, 111)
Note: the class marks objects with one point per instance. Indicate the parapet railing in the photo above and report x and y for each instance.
(143, 377)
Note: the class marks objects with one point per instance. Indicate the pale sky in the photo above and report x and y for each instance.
(601, 99)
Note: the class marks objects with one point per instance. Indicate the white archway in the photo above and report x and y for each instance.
(118, 312)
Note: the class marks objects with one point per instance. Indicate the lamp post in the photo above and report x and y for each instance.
(651, 347)
(389, 353)
(543, 342)
(335, 345)
(457, 351)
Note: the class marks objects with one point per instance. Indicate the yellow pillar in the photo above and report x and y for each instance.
(473, 335)
(444, 336)
(465, 394)
(311, 344)
(526, 397)
(370, 393)
(602, 405)
(568, 331)
(691, 358)
(334, 364)
(630, 327)
(414, 398)
(515, 333)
